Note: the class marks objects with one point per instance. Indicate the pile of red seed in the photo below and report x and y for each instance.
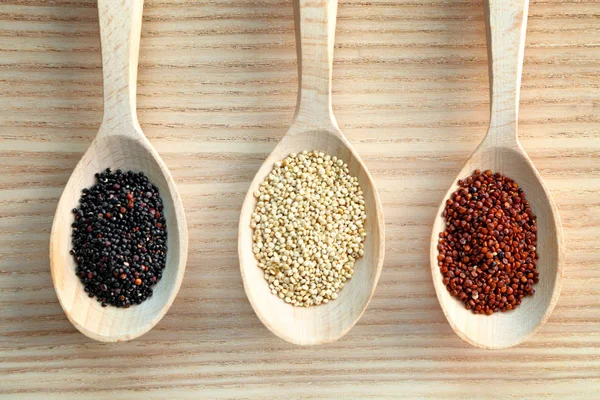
(487, 254)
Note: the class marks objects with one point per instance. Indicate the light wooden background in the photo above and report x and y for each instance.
(217, 88)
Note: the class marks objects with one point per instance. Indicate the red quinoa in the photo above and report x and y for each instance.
(487, 254)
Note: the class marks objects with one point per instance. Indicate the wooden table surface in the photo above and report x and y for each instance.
(217, 89)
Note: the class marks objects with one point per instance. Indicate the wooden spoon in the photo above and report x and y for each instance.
(120, 143)
(314, 128)
(501, 151)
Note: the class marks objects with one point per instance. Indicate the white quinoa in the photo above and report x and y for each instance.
(308, 227)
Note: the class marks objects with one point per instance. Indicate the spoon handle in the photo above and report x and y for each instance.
(506, 22)
(315, 34)
(120, 30)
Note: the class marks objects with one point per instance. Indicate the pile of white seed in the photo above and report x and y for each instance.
(308, 227)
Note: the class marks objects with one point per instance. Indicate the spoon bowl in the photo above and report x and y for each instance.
(326, 322)
(120, 144)
(506, 329)
(314, 128)
(501, 152)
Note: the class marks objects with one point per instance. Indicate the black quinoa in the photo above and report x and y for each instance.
(120, 238)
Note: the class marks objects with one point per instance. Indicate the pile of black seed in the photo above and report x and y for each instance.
(120, 238)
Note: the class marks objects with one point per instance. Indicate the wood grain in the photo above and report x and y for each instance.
(216, 91)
